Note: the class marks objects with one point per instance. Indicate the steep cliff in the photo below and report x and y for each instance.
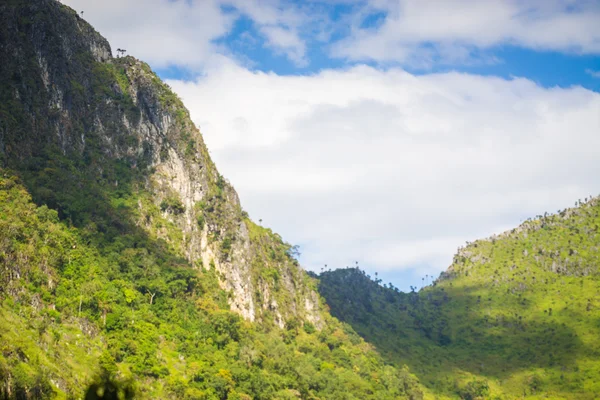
(114, 123)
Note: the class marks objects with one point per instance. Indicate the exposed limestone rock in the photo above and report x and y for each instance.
(138, 121)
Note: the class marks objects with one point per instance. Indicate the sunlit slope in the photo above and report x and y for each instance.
(515, 315)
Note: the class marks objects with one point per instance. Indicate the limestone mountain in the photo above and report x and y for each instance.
(72, 114)
(125, 254)
(515, 316)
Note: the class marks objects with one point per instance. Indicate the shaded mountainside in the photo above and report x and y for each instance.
(107, 144)
(123, 251)
(516, 315)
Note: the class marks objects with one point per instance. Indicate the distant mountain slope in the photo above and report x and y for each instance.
(123, 251)
(516, 315)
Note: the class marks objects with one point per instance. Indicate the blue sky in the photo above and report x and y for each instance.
(387, 132)
(548, 67)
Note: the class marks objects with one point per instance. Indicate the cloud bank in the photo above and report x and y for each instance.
(393, 169)
(424, 33)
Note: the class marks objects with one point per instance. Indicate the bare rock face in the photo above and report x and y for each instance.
(115, 114)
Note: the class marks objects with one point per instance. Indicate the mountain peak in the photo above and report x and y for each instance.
(65, 93)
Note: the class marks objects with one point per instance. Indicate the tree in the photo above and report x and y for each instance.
(108, 388)
(87, 291)
(475, 389)
(294, 252)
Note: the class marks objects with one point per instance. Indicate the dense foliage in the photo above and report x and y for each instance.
(72, 308)
(515, 316)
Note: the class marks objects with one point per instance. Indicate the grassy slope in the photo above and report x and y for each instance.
(519, 313)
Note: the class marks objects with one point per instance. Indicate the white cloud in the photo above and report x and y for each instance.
(280, 23)
(592, 73)
(160, 32)
(182, 33)
(393, 169)
(286, 41)
(455, 29)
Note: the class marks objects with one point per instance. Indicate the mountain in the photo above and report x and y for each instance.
(126, 260)
(515, 316)
(128, 265)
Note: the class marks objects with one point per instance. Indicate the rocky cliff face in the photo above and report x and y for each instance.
(70, 110)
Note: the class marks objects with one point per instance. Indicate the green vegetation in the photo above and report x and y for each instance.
(515, 315)
(74, 308)
(98, 288)
(172, 204)
(102, 285)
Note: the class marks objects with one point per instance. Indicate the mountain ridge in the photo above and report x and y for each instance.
(152, 133)
(515, 315)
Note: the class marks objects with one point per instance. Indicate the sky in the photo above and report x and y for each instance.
(387, 132)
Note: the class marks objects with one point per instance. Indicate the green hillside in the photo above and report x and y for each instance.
(72, 310)
(126, 257)
(515, 316)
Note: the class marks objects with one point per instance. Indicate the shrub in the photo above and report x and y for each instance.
(173, 205)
